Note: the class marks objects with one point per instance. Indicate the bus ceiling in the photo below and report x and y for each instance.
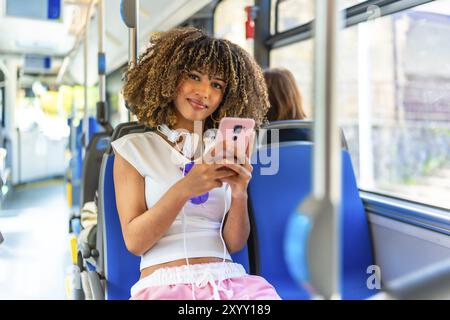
(49, 33)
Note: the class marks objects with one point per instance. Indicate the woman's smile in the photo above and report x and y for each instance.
(196, 104)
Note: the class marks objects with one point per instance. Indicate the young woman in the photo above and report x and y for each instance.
(184, 221)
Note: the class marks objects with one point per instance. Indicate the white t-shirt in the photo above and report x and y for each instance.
(162, 166)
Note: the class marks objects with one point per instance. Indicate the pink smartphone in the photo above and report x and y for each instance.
(238, 132)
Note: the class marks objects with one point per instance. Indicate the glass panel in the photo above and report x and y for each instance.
(229, 22)
(293, 13)
(272, 16)
(298, 58)
(394, 100)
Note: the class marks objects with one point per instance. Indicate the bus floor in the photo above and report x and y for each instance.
(35, 255)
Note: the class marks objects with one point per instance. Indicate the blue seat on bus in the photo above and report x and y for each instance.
(118, 266)
(291, 130)
(91, 165)
(76, 163)
(121, 268)
(275, 197)
(115, 263)
(247, 257)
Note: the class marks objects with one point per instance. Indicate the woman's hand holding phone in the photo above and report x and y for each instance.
(238, 182)
(232, 152)
(202, 178)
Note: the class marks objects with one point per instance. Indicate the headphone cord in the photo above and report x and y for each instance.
(220, 233)
(191, 279)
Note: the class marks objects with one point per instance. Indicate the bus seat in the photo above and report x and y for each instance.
(76, 163)
(86, 187)
(91, 165)
(275, 197)
(292, 130)
(119, 267)
(248, 256)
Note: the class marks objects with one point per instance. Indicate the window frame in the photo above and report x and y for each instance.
(422, 215)
(353, 15)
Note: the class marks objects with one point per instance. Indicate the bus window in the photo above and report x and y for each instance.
(229, 22)
(394, 100)
(298, 58)
(396, 103)
(293, 13)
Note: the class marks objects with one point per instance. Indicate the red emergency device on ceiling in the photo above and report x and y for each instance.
(250, 23)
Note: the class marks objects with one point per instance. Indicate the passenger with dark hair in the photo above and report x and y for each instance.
(184, 217)
(284, 96)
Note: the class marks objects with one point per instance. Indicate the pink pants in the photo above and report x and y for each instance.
(207, 281)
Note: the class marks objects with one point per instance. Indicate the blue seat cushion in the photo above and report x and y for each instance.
(275, 197)
(122, 267)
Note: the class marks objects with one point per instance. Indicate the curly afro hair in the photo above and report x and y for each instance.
(151, 85)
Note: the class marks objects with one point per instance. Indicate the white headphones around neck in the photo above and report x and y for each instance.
(171, 135)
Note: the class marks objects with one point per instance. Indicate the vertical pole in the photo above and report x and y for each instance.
(102, 108)
(101, 51)
(324, 261)
(86, 68)
(130, 16)
(133, 52)
(366, 167)
(262, 33)
(10, 120)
